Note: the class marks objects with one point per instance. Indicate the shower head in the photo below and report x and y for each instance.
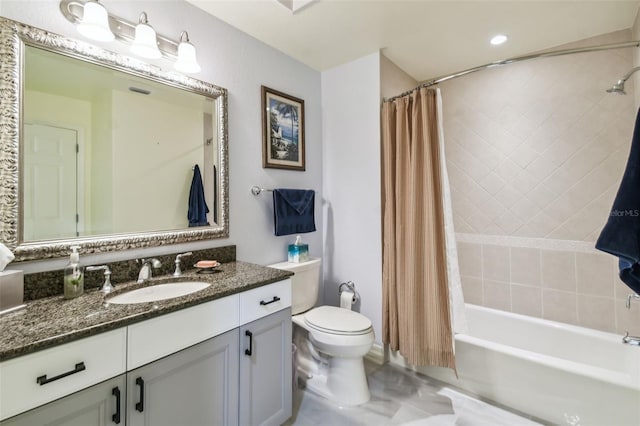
(619, 86)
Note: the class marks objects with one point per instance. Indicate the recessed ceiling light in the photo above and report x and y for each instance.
(499, 39)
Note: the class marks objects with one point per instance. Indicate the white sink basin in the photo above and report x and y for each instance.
(158, 292)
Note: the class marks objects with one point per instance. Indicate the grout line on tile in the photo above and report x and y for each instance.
(528, 242)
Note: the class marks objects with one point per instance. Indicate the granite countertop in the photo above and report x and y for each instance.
(52, 321)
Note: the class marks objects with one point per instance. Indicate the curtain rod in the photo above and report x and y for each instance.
(440, 79)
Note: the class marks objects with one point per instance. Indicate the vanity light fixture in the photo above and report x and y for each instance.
(144, 40)
(498, 39)
(145, 43)
(187, 61)
(95, 22)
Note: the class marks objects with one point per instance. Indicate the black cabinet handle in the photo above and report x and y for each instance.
(42, 380)
(116, 417)
(250, 334)
(275, 299)
(140, 405)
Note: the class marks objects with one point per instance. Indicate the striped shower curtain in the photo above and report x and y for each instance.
(419, 257)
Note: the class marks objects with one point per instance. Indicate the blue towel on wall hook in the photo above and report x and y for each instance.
(198, 208)
(621, 235)
(293, 211)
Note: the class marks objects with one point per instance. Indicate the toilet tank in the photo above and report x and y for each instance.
(304, 284)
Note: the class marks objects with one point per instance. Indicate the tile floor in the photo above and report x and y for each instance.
(402, 397)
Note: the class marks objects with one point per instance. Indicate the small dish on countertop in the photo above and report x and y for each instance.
(206, 266)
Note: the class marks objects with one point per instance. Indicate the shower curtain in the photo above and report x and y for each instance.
(422, 295)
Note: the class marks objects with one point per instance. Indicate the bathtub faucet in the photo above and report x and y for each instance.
(630, 340)
(630, 297)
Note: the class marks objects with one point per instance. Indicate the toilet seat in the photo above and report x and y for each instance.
(334, 320)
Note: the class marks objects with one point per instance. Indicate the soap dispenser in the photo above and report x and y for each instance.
(73, 275)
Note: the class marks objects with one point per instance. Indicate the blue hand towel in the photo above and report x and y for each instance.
(621, 234)
(198, 209)
(293, 211)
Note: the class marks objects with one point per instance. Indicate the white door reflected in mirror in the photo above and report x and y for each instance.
(50, 170)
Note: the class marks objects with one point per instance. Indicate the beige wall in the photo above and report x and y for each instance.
(535, 153)
(537, 149)
(158, 156)
(101, 172)
(393, 80)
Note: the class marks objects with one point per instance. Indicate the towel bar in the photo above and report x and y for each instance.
(256, 190)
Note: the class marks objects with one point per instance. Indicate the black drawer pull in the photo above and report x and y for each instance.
(250, 334)
(42, 380)
(275, 299)
(116, 417)
(140, 405)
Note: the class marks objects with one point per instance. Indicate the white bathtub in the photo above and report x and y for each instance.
(559, 373)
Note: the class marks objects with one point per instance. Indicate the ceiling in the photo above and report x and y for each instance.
(426, 38)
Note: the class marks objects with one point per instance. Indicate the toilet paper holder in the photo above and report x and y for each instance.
(351, 287)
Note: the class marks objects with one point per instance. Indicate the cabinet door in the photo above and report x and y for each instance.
(101, 404)
(194, 387)
(265, 370)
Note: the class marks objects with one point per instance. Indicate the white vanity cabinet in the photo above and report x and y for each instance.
(265, 370)
(99, 405)
(182, 367)
(36, 379)
(224, 362)
(194, 387)
(265, 355)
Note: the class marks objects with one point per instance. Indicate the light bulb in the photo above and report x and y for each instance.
(95, 22)
(186, 61)
(145, 43)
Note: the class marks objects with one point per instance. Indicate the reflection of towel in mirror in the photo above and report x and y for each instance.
(621, 234)
(198, 209)
(293, 211)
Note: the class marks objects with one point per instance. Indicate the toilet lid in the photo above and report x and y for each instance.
(337, 320)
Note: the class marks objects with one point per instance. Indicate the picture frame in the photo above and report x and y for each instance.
(283, 142)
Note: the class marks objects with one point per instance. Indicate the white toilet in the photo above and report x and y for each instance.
(331, 342)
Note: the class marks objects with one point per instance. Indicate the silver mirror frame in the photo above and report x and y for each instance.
(13, 38)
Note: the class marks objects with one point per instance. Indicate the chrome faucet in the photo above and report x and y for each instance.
(178, 271)
(107, 287)
(632, 296)
(145, 270)
(630, 340)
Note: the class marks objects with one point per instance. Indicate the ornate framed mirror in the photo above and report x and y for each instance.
(100, 150)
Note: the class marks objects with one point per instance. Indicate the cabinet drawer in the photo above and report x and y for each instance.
(158, 337)
(264, 300)
(32, 380)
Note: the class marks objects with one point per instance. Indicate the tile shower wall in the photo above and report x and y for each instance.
(535, 151)
(575, 286)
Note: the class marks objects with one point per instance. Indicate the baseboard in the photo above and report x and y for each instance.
(376, 354)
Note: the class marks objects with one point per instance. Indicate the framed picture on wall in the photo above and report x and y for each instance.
(282, 131)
